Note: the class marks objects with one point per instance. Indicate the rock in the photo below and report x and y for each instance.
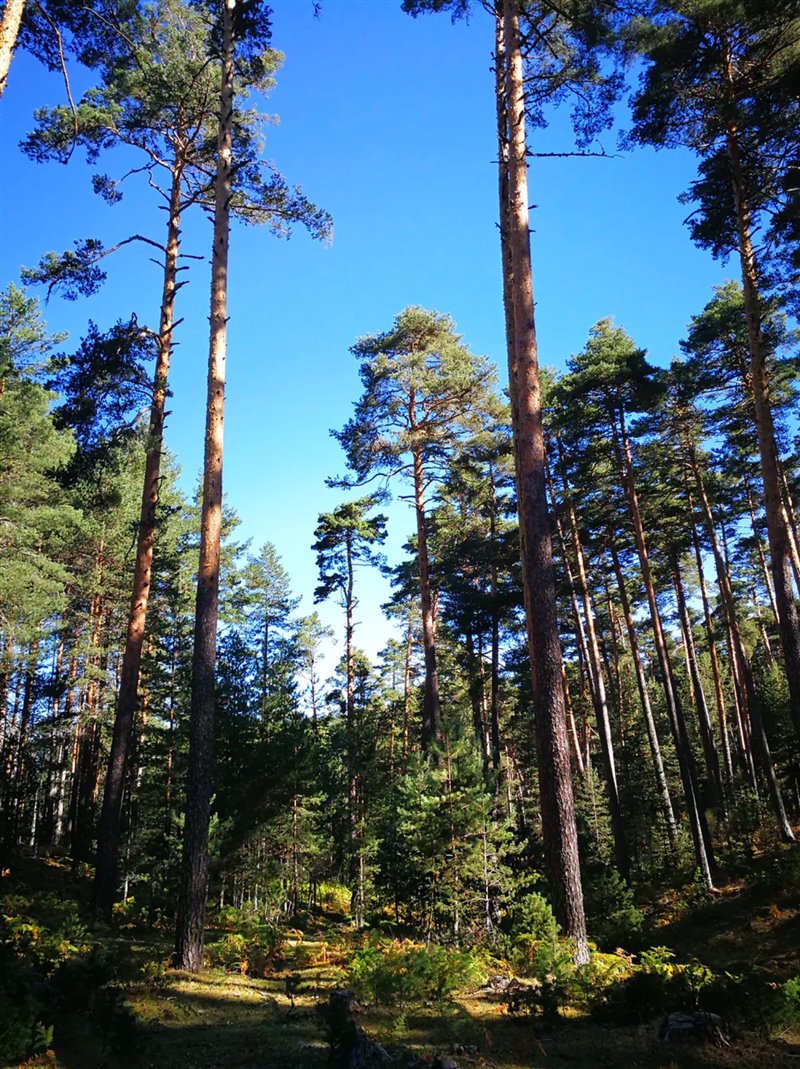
(696, 1025)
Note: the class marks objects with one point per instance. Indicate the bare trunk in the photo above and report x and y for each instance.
(577, 753)
(701, 838)
(780, 555)
(768, 583)
(494, 703)
(9, 30)
(431, 714)
(352, 740)
(758, 734)
(719, 696)
(194, 869)
(109, 825)
(407, 687)
(621, 857)
(701, 706)
(559, 831)
(644, 698)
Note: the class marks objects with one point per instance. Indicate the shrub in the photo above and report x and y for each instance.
(394, 972)
(249, 953)
(786, 1005)
(132, 914)
(612, 916)
(537, 951)
(23, 1009)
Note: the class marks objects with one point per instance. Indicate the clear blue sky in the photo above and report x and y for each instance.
(388, 122)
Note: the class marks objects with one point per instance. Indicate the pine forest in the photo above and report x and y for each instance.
(460, 726)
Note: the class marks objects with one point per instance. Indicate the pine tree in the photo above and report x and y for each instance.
(422, 387)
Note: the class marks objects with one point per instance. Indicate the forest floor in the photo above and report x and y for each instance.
(225, 1019)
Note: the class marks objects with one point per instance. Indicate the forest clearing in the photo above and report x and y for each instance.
(461, 725)
(267, 1008)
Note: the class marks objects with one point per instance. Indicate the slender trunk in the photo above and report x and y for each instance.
(494, 702)
(704, 720)
(109, 824)
(9, 30)
(791, 524)
(475, 687)
(644, 698)
(194, 869)
(577, 753)
(719, 695)
(701, 838)
(407, 687)
(431, 713)
(173, 678)
(768, 583)
(762, 627)
(559, 833)
(67, 767)
(352, 734)
(751, 700)
(621, 857)
(780, 557)
(20, 785)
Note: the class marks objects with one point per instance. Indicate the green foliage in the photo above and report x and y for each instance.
(786, 1005)
(54, 981)
(23, 1007)
(537, 951)
(391, 972)
(660, 984)
(612, 916)
(249, 952)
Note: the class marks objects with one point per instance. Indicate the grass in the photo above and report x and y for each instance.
(225, 1019)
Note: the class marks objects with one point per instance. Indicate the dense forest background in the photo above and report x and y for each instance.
(591, 694)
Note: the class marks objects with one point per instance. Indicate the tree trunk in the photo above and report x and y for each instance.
(559, 833)
(577, 753)
(9, 30)
(768, 583)
(788, 618)
(494, 701)
(701, 705)
(431, 713)
(621, 857)
(697, 822)
(719, 696)
(194, 869)
(109, 825)
(758, 734)
(644, 698)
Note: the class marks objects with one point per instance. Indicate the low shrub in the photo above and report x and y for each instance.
(612, 916)
(132, 914)
(249, 953)
(24, 998)
(391, 972)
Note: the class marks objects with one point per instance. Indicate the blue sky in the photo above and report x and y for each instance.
(388, 122)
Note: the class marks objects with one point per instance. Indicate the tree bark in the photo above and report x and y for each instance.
(109, 825)
(719, 696)
(559, 831)
(751, 700)
(9, 30)
(701, 705)
(431, 711)
(194, 869)
(777, 533)
(621, 856)
(701, 838)
(644, 697)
